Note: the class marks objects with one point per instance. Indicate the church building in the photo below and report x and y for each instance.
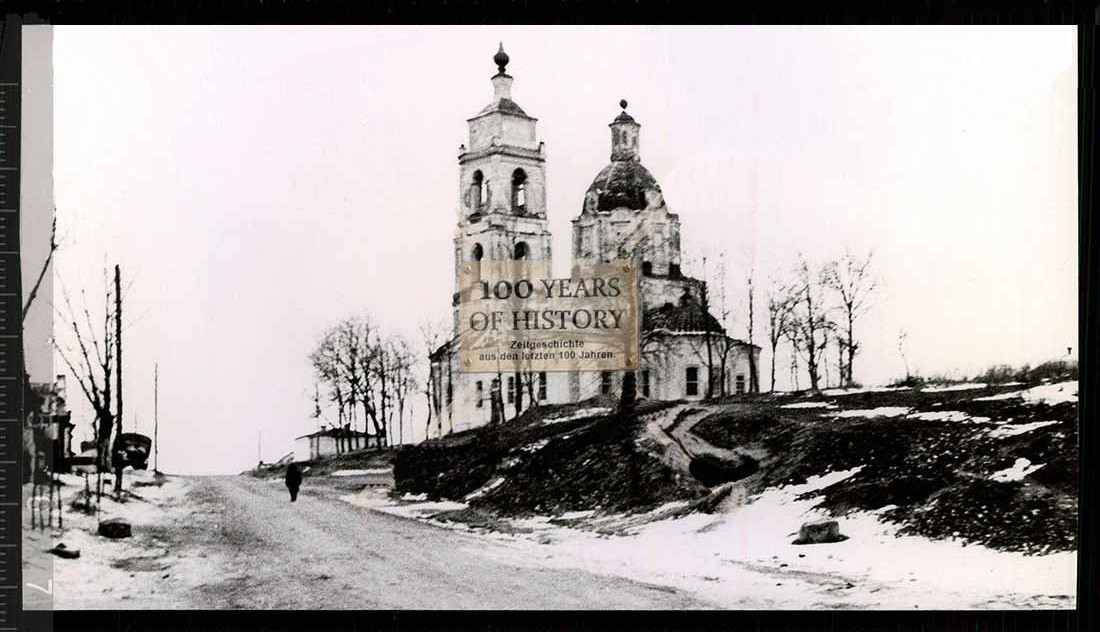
(503, 215)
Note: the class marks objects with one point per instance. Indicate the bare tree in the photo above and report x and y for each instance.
(431, 336)
(902, 335)
(45, 266)
(704, 300)
(810, 319)
(854, 284)
(780, 305)
(93, 369)
(754, 371)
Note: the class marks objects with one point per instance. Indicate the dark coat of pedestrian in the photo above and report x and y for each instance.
(293, 480)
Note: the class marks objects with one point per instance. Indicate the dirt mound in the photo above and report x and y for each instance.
(1003, 515)
(936, 470)
(528, 466)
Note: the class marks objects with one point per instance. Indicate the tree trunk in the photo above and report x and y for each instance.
(772, 390)
(851, 349)
(629, 398)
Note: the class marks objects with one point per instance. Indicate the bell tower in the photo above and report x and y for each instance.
(502, 182)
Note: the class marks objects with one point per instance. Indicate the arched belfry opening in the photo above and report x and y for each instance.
(479, 188)
(521, 251)
(519, 191)
(478, 253)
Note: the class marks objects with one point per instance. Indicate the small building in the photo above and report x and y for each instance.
(330, 442)
(47, 429)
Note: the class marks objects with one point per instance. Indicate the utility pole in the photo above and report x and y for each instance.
(118, 370)
(155, 470)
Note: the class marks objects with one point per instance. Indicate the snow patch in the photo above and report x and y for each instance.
(810, 405)
(944, 415)
(853, 391)
(1011, 430)
(384, 470)
(953, 387)
(881, 411)
(1017, 472)
(578, 414)
(534, 447)
(1057, 393)
(485, 489)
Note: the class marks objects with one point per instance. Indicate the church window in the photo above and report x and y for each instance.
(647, 268)
(480, 394)
(519, 191)
(674, 270)
(740, 384)
(521, 251)
(692, 379)
(542, 385)
(481, 189)
(605, 382)
(511, 389)
(450, 393)
(645, 383)
(478, 253)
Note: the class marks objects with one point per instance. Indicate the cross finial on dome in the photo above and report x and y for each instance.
(501, 58)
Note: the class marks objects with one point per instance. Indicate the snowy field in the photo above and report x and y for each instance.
(744, 559)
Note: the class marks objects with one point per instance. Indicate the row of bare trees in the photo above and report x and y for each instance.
(368, 378)
(818, 307)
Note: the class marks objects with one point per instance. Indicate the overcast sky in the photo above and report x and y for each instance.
(257, 184)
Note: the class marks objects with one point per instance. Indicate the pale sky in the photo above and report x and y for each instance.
(258, 184)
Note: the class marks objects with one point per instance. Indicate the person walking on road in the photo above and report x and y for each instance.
(293, 480)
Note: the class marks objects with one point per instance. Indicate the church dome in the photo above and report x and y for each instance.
(623, 183)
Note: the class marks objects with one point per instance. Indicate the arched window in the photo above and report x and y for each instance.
(478, 253)
(519, 190)
(520, 251)
(480, 188)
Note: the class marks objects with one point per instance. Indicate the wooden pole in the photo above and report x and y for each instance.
(155, 470)
(118, 369)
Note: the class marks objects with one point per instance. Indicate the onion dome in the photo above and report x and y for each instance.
(501, 59)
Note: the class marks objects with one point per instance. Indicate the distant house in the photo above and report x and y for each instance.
(331, 441)
(47, 429)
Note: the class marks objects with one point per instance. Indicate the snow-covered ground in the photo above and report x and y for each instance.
(744, 558)
(1057, 393)
(138, 568)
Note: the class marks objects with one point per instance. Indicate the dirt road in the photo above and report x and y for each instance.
(320, 552)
